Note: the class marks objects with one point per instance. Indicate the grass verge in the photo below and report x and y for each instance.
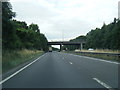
(12, 59)
(100, 56)
(101, 51)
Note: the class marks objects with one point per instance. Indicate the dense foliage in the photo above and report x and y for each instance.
(107, 37)
(17, 35)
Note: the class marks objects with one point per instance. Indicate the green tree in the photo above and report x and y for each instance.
(8, 33)
(34, 27)
(108, 37)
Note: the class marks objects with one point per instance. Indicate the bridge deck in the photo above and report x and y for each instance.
(65, 43)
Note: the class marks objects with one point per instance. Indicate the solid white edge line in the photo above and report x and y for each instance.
(103, 84)
(103, 60)
(6, 79)
(96, 59)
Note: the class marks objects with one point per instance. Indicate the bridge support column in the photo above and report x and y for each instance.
(60, 47)
(81, 46)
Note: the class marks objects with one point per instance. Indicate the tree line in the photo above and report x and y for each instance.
(106, 37)
(17, 34)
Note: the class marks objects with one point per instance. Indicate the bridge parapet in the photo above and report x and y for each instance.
(65, 43)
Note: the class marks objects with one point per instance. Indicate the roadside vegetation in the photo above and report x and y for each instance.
(14, 58)
(106, 37)
(20, 42)
(100, 40)
(102, 56)
(100, 51)
(95, 54)
(18, 35)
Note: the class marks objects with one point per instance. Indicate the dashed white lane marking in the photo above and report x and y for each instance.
(103, 84)
(70, 62)
(6, 79)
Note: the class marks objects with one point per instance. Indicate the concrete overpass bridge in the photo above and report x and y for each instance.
(66, 43)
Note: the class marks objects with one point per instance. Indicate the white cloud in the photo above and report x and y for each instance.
(73, 17)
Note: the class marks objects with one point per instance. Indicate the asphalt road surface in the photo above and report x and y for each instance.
(61, 70)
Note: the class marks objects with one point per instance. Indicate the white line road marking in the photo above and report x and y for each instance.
(102, 60)
(70, 62)
(103, 84)
(6, 79)
(96, 59)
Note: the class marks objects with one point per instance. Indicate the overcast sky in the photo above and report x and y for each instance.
(66, 19)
